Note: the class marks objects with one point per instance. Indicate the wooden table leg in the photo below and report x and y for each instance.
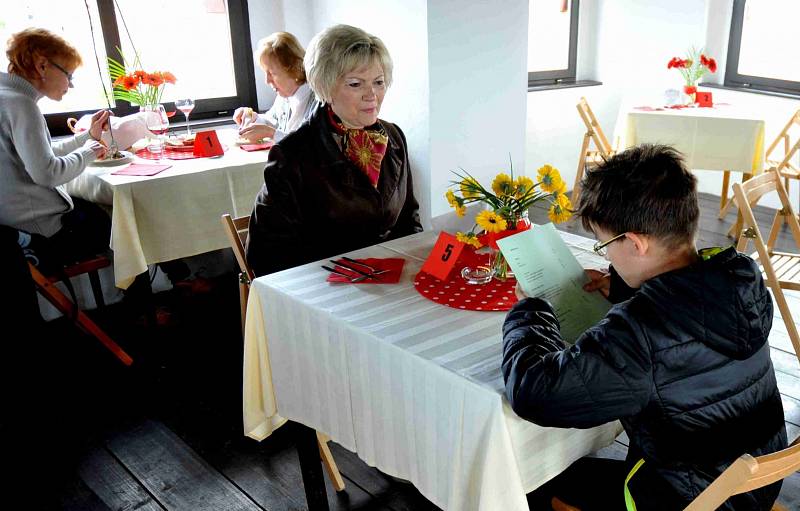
(311, 468)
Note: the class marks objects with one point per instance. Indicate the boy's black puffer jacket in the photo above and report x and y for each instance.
(683, 363)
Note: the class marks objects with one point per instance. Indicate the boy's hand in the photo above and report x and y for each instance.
(600, 281)
(519, 292)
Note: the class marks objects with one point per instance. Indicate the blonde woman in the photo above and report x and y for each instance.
(34, 168)
(281, 58)
(342, 181)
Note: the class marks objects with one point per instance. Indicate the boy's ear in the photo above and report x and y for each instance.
(640, 242)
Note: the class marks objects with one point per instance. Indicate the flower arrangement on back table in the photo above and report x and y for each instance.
(508, 203)
(692, 68)
(138, 87)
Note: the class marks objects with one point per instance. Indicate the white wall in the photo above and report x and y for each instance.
(632, 42)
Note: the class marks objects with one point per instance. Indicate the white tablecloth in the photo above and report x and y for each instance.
(175, 213)
(413, 387)
(724, 137)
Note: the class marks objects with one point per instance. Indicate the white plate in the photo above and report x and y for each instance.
(126, 158)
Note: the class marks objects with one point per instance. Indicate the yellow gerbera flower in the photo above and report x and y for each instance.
(550, 178)
(503, 185)
(469, 238)
(490, 221)
(561, 210)
(470, 188)
(522, 185)
(451, 198)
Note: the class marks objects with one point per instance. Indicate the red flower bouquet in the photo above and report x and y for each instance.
(692, 69)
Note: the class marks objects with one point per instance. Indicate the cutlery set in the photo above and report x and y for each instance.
(364, 272)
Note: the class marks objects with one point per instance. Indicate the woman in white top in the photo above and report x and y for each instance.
(280, 55)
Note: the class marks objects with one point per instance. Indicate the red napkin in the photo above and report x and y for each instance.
(393, 264)
(256, 147)
(140, 169)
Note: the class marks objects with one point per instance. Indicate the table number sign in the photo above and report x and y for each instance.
(443, 257)
(704, 99)
(206, 143)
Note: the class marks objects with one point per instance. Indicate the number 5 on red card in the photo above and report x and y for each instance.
(206, 143)
(443, 257)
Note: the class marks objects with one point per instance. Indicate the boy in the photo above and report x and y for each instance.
(681, 360)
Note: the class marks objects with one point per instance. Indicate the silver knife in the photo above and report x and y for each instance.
(349, 277)
(365, 274)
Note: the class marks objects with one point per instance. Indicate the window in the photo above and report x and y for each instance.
(193, 39)
(552, 41)
(762, 48)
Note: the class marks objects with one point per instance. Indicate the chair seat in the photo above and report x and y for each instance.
(787, 268)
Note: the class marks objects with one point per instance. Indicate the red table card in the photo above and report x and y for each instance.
(443, 257)
(206, 143)
(704, 99)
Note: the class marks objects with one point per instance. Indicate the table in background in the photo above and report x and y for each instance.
(723, 137)
(175, 213)
(413, 387)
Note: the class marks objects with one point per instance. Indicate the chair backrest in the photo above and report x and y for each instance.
(593, 128)
(236, 229)
(747, 474)
(789, 140)
(747, 195)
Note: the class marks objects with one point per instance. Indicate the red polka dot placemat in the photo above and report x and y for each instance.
(456, 293)
(170, 153)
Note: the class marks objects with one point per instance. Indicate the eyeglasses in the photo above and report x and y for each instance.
(600, 248)
(68, 75)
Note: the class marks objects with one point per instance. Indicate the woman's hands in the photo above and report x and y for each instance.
(256, 132)
(99, 124)
(244, 115)
(600, 281)
(98, 148)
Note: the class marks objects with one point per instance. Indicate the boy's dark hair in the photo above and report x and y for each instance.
(645, 189)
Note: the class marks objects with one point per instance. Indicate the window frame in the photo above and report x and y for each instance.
(204, 108)
(568, 75)
(732, 76)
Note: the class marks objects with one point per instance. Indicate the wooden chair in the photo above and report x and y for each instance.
(781, 161)
(746, 474)
(590, 157)
(781, 269)
(46, 286)
(236, 230)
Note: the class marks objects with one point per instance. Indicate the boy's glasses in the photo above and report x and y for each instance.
(601, 248)
(68, 75)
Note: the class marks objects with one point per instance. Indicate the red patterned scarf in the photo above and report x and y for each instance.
(364, 147)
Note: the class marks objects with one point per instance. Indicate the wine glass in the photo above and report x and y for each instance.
(158, 123)
(186, 106)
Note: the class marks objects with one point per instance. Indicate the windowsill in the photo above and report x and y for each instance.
(750, 90)
(563, 85)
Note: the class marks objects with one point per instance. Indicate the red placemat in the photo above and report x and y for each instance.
(456, 293)
(170, 154)
(393, 264)
(141, 169)
(256, 147)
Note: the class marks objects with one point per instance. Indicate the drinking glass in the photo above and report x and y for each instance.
(158, 123)
(186, 106)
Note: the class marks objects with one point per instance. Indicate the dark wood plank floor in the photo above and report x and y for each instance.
(166, 434)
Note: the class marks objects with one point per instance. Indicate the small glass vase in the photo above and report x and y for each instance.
(496, 266)
(690, 93)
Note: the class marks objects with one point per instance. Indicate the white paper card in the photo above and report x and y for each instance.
(545, 267)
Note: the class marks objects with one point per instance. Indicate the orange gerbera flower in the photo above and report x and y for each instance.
(168, 77)
(130, 82)
(141, 75)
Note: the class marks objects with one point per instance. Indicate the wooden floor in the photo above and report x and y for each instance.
(167, 433)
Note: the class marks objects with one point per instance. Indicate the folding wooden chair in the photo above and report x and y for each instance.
(746, 474)
(781, 269)
(236, 230)
(590, 157)
(46, 286)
